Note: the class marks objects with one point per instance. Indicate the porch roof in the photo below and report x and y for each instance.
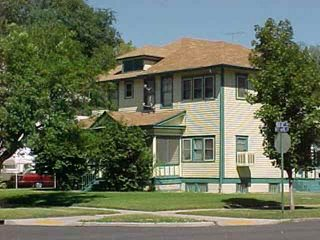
(143, 118)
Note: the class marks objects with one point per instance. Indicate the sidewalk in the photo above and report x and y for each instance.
(201, 220)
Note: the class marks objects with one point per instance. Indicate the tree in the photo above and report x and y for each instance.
(60, 150)
(122, 154)
(284, 84)
(45, 73)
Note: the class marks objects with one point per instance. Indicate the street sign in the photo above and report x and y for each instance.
(282, 127)
(286, 142)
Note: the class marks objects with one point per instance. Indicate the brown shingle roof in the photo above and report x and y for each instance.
(188, 53)
(146, 51)
(143, 119)
(88, 122)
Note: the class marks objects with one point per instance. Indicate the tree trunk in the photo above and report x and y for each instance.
(292, 207)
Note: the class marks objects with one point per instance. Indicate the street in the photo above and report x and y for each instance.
(293, 231)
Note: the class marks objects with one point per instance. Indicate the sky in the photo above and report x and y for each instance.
(158, 22)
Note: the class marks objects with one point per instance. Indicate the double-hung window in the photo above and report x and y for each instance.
(166, 91)
(242, 86)
(198, 149)
(187, 89)
(197, 88)
(201, 87)
(128, 89)
(209, 88)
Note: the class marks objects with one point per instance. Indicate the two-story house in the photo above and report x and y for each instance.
(190, 96)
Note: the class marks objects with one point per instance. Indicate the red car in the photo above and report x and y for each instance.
(28, 180)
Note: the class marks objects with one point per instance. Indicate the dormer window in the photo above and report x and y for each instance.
(132, 65)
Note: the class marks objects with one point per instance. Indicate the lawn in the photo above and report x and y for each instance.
(143, 218)
(148, 201)
(265, 214)
(20, 213)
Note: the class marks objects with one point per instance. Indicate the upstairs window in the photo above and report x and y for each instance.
(187, 89)
(166, 92)
(242, 86)
(132, 65)
(198, 88)
(128, 89)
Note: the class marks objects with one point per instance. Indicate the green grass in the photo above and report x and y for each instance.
(20, 213)
(143, 218)
(263, 214)
(148, 201)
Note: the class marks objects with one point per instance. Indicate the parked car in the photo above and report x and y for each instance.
(30, 179)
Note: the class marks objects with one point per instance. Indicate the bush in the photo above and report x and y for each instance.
(122, 154)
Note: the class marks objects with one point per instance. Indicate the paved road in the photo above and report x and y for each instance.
(293, 231)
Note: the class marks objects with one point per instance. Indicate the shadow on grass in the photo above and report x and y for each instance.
(253, 203)
(46, 199)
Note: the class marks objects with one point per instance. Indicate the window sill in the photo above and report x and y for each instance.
(203, 161)
(166, 164)
(166, 107)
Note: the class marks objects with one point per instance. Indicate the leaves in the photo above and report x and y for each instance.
(285, 83)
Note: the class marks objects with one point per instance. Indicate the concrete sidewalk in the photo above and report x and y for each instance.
(200, 220)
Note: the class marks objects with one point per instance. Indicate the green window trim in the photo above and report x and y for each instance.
(132, 65)
(202, 145)
(245, 88)
(126, 89)
(207, 89)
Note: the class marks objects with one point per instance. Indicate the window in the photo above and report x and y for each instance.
(274, 187)
(128, 89)
(242, 86)
(187, 150)
(242, 188)
(209, 87)
(132, 65)
(187, 89)
(197, 88)
(166, 91)
(167, 150)
(208, 148)
(198, 149)
(242, 144)
(196, 187)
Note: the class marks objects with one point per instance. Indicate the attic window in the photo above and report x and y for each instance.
(132, 65)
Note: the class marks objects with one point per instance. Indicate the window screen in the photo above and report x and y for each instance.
(167, 150)
(166, 91)
(209, 87)
(187, 89)
(242, 86)
(197, 88)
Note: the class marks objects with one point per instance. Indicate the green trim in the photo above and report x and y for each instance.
(203, 138)
(171, 118)
(170, 127)
(179, 180)
(222, 138)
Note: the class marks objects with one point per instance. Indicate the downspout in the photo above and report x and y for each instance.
(222, 140)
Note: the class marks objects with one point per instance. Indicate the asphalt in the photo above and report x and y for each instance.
(293, 231)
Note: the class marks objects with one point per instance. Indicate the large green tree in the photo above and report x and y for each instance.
(286, 79)
(50, 51)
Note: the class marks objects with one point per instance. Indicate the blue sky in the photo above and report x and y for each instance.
(158, 22)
